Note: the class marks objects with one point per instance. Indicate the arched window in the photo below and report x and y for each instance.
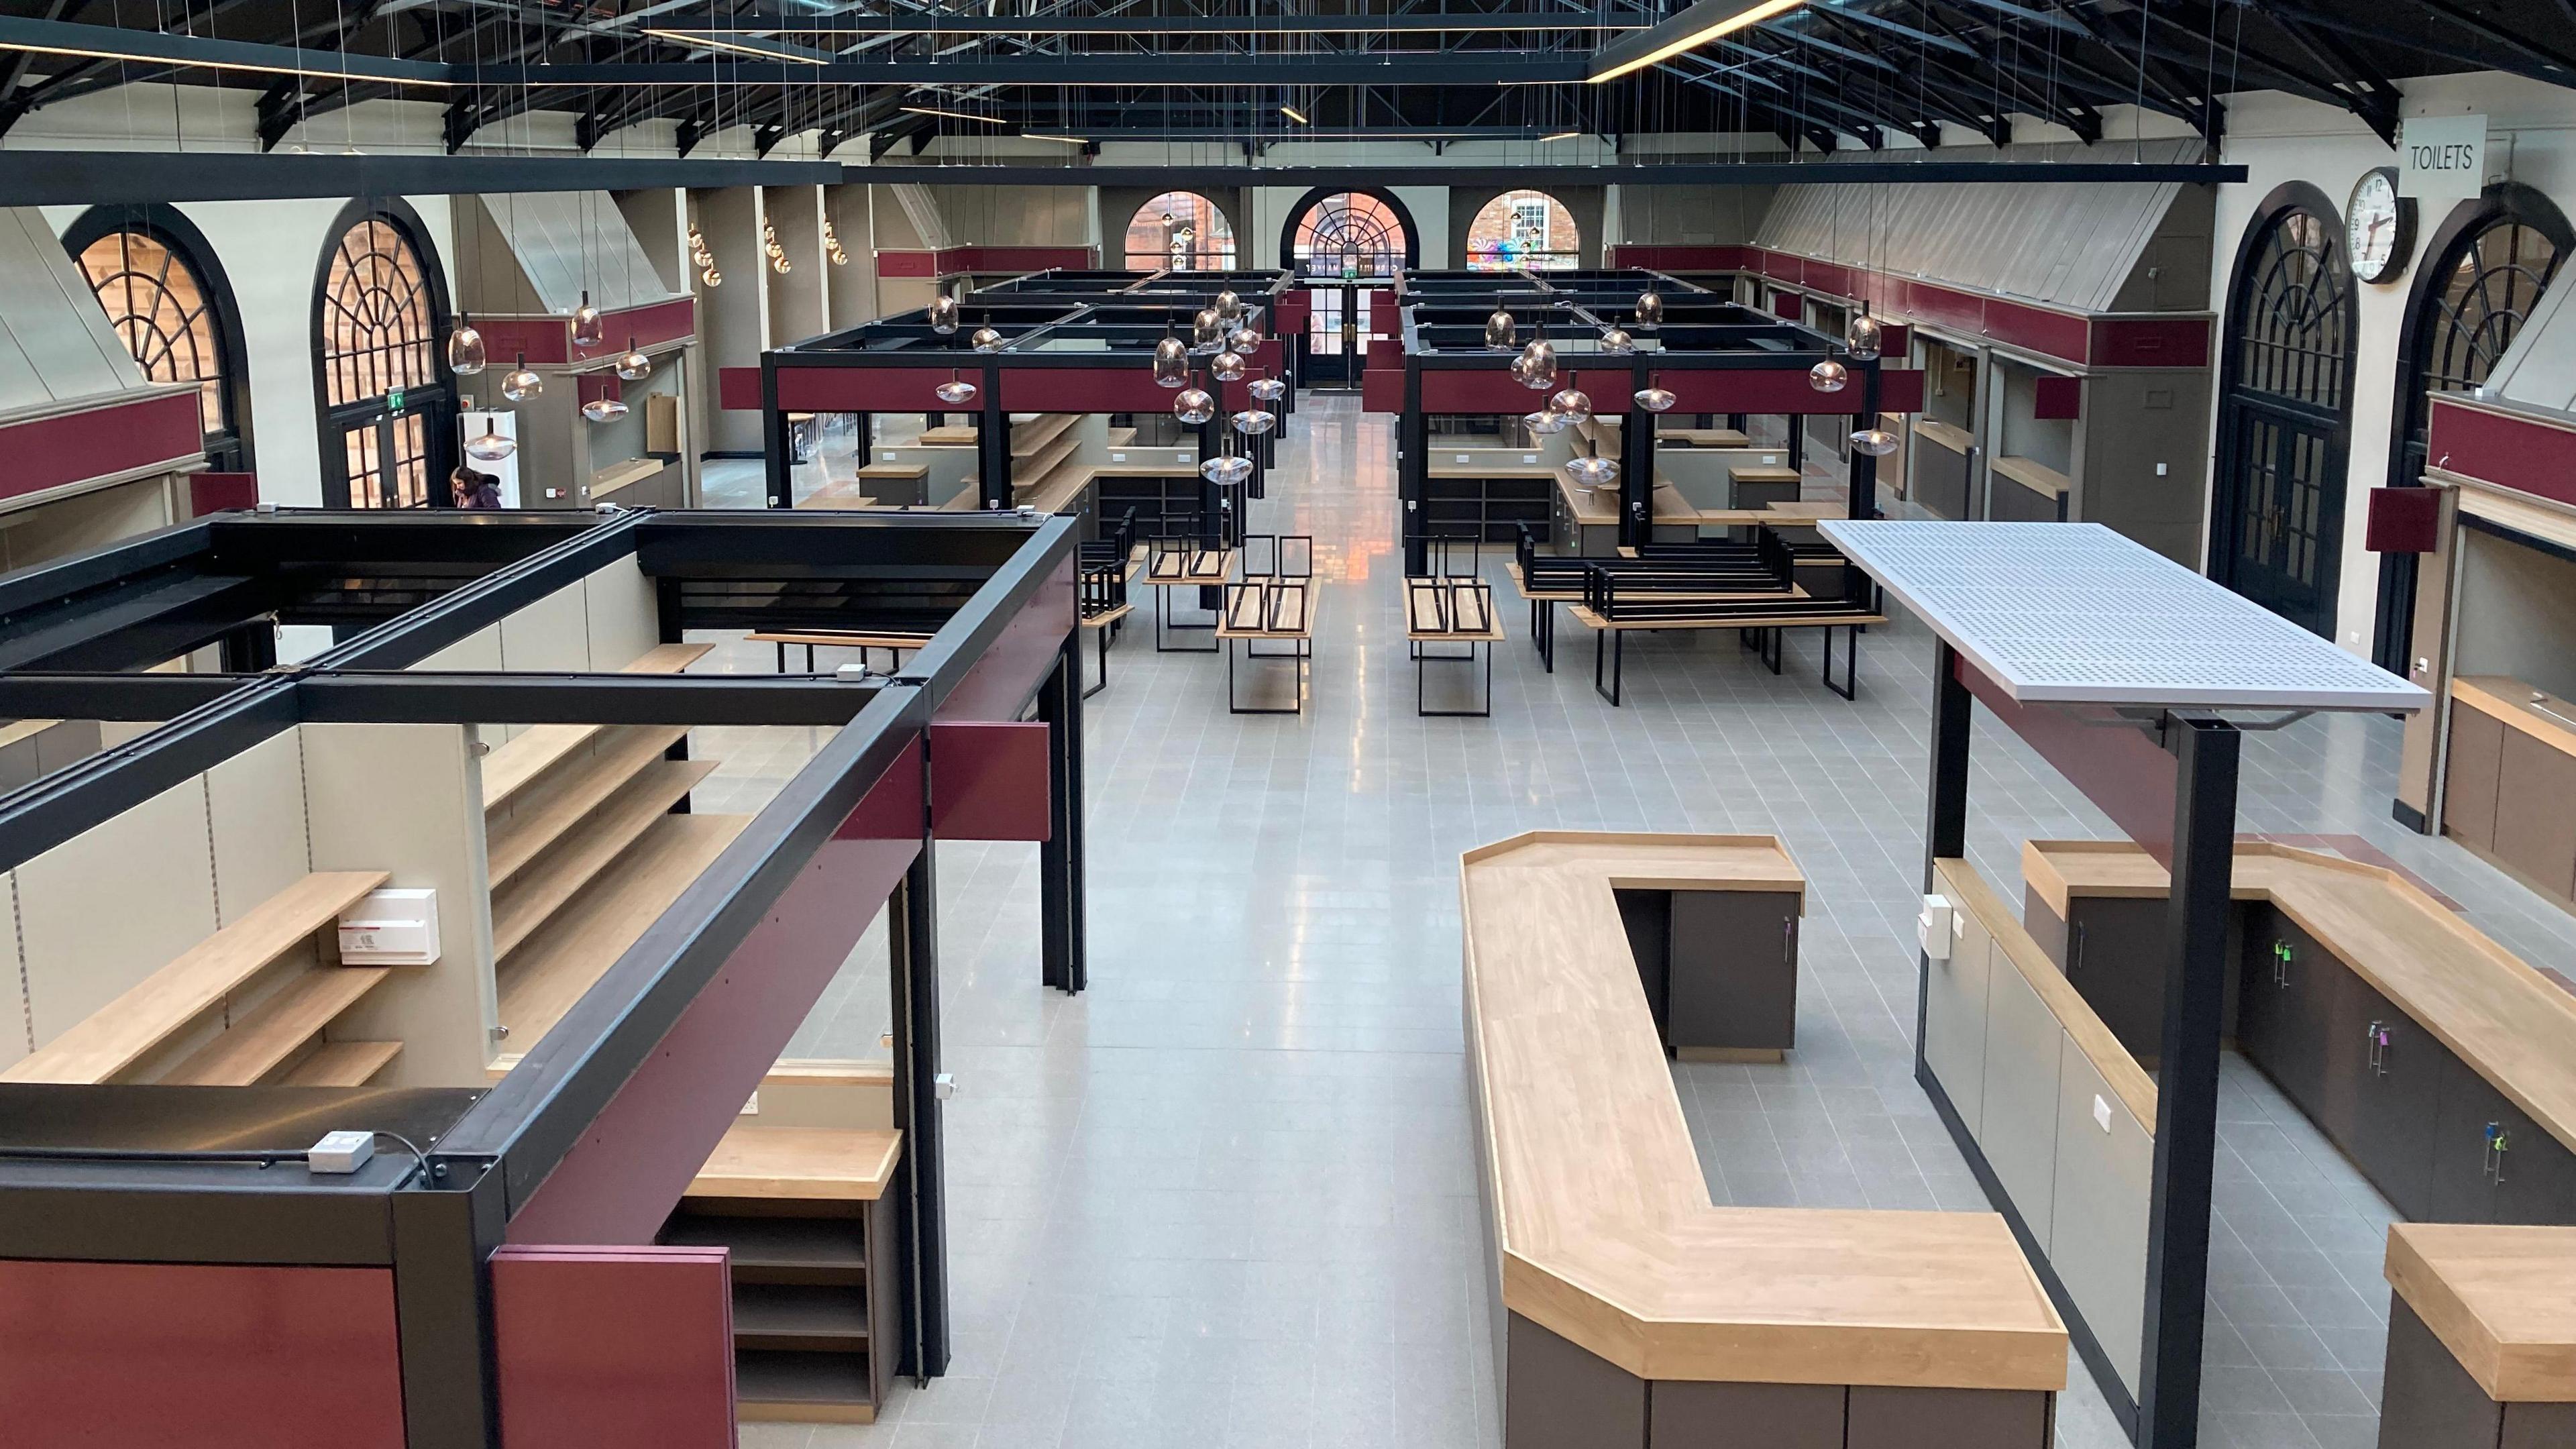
(2480, 277)
(169, 303)
(2284, 422)
(378, 318)
(1180, 231)
(1349, 234)
(1523, 231)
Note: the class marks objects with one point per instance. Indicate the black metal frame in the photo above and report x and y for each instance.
(231, 448)
(491, 1149)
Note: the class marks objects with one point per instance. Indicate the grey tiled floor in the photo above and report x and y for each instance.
(1225, 1197)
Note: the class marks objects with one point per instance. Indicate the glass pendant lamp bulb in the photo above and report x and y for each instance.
(1876, 442)
(1616, 342)
(1863, 337)
(634, 366)
(492, 447)
(1252, 422)
(1519, 368)
(1500, 330)
(1572, 403)
(1226, 471)
(587, 328)
(519, 384)
(465, 354)
(1268, 389)
(604, 409)
(1544, 424)
(985, 339)
(943, 315)
(1207, 331)
(1650, 308)
(1592, 472)
(1538, 366)
(1828, 376)
(955, 390)
(1171, 362)
(1228, 305)
(1655, 399)
(1194, 406)
(1245, 338)
(1227, 367)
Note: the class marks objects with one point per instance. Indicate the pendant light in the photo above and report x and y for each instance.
(1171, 362)
(1828, 376)
(1226, 470)
(1227, 367)
(1268, 389)
(1571, 403)
(587, 328)
(985, 339)
(1654, 398)
(604, 409)
(832, 245)
(1616, 342)
(1863, 337)
(634, 366)
(1247, 335)
(943, 314)
(1592, 471)
(1194, 406)
(1519, 367)
(1544, 424)
(519, 384)
(492, 446)
(1877, 442)
(1228, 305)
(703, 258)
(1207, 331)
(1252, 422)
(1538, 365)
(1650, 308)
(956, 390)
(1500, 330)
(465, 354)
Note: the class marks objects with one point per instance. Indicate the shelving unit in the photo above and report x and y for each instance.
(1158, 492)
(803, 1213)
(1492, 499)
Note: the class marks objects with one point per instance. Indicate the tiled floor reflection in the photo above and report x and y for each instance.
(1225, 1198)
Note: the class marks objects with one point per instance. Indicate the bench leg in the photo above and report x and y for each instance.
(1771, 647)
(782, 657)
(1613, 642)
(1850, 686)
(1103, 632)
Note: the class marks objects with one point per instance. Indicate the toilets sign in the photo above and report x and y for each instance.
(2442, 158)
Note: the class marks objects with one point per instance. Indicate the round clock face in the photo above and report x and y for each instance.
(2377, 224)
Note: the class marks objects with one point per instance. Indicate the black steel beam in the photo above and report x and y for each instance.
(433, 697)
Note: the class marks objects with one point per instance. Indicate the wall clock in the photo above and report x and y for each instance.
(2379, 226)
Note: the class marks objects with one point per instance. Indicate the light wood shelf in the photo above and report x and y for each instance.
(1033, 437)
(802, 1163)
(2036, 476)
(342, 1064)
(541, 980)
(116, 1036)
(579, 786)
(278, 1027)
(620, 475)
(583, 852)
(1036, 466)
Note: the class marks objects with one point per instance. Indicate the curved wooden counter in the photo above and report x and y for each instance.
(1599, 1213)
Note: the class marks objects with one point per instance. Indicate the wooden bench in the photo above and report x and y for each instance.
(133, 1037)
(1182, 563)
(1760, 619)
(1724, 570)
(1440, 611)
(806, 1219)
(894, 642)
(1263, 611)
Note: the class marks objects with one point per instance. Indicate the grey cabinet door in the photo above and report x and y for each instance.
(2396, 1103)
(2535, 820)
(2469, 776)
(1734, 981)
(1648, 917)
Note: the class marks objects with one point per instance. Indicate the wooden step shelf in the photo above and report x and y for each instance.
(811, 1231)
(1035, 467)
(1031, 438)
(578, 784)
(113, 1039)
(531, 898)
(275, 1030)
(547, 972)
(342, 1064)
(528, 756)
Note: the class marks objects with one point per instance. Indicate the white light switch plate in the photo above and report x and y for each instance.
(1463, 458)
(1117, 457)
(2101, 1113)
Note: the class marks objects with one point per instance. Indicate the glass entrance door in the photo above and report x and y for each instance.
(1337, 327)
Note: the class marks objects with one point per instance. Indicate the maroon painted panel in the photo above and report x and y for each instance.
(1676, 258)
(2057, 397)
(67, 448)
(1900, 389)
(988, 780)
(738, 389)
(1788, 304)
(607, 1348)
(907, 264)
(1492, 391)
(2528, 455)
(215, 492)
(1290, 312)
(1783, 390)
(543, 341)
(1014, 259)
(622, 1178)
(645, 326)
(2121, 770)
(2404, 520)
(1015, 664)
(2038, 329)
(589, 387)
(1083, 390)
(1267, 360)
(860, 389)
(1382, 390)
(2150, 342)
(210, 1357)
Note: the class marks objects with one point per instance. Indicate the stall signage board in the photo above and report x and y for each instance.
(2443, 158)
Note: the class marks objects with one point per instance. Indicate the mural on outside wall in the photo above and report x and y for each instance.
(1523, 231)
(1179, 231)
(1349, 235)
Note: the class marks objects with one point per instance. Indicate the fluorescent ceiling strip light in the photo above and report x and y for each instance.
(1560, 136)
(701, 38)
(953, 115)
(1067, 140)
(1294, 114)
(1689, 30)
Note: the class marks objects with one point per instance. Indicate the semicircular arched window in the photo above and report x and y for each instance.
(174, 317)
(379, 318)
(1523, 231)
(1349, 234)
(1180, 231)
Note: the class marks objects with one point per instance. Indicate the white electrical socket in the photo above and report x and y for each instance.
(340, 1152)
(1463, 458)
(2101, 1113)
(1117, 457)
(1529, 457)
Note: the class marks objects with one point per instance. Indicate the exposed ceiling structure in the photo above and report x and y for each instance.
(1829, 74)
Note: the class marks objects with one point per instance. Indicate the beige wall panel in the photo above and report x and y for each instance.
(408, 798)
(256, 803)
(624, 619)
(14, 1029)
(1954, 1021)
(2017, 1125)
(114, 904)
(2098, 1243)
(479, 650)
(551, 634)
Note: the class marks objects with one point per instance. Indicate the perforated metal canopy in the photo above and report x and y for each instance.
(2074, 613)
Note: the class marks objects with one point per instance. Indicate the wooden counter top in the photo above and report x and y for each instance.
(2501, 1299)
(1764, 473)
(619, 475)
(848, 1164)
(2515, 1026)
(1703, 437)
(2548, 719)
(1957, 440)
(1602, 1215)
(2034, 475)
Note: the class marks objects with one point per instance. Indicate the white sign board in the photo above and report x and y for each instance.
(2442, 158)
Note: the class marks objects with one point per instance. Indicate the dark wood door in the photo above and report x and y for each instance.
(2469, 1116)
(2290, 1009)
(2476, 755)
(2283, 475)
(1734, 984)
(2396, 1102)
(2116, 950)
(2535, 813)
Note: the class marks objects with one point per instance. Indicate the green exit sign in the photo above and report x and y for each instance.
(393, 400)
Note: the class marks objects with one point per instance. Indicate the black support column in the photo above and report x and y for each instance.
(1412, 465)
(1945, 827)
(1063, 952)
(921, 1214)
(1636, 464)
(778, 464)
(2204, 865)
(993, 447)
(1864, 468)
